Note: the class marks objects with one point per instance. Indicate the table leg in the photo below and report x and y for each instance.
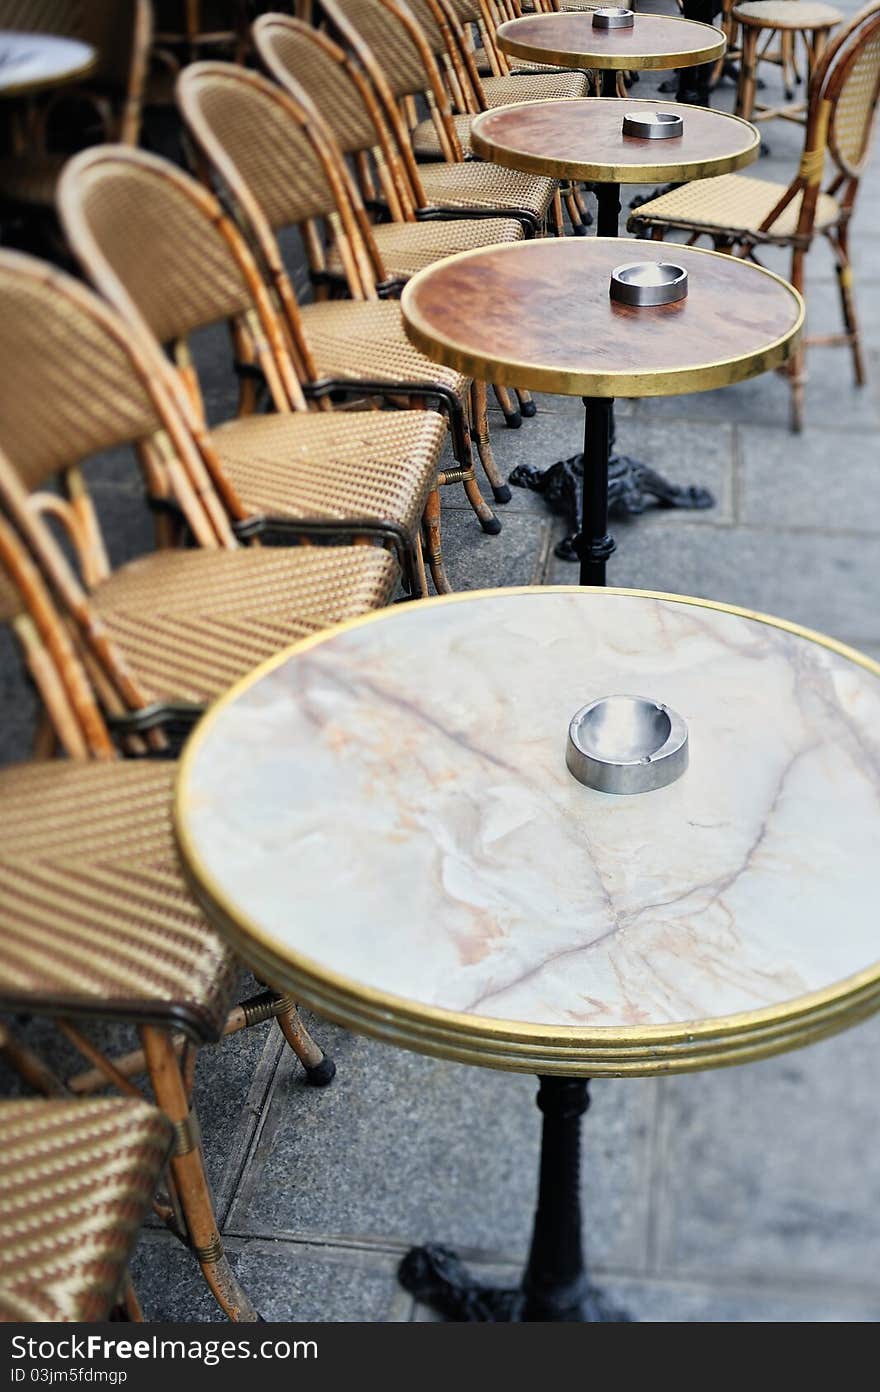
(608, 199)
(555, 1285)
(592, 544)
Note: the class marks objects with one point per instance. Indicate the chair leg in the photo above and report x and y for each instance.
(848, 305)
(190, 1180)
(480, 417)
(319, 1067)
(512, 415)
(434, 543)
(526, 404)
(745, 97)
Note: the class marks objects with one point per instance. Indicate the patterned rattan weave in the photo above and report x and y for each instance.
(94, 911)
(77, 1179)
(462, 186)
(406, 247)
(501, 91)
(366, 340)
(707, 204)
(191, 622)
(291, 48)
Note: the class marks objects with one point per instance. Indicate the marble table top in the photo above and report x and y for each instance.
(31, 62)
(384, 823)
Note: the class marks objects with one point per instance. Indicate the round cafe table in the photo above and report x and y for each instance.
(583, 139)
(539, 314)
(382, 822)
(32, 63)
(569, 40)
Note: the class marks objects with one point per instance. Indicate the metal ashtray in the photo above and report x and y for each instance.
(626, 744)
(648, 283)
(652, 125)
(613, 17)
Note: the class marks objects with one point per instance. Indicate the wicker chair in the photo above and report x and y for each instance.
(291, 472)
(167, 633)
(277, 156)
(388, 43)
(120, 31)
(788, 20)
(97, 924)
(741, 214)
(77, 1179)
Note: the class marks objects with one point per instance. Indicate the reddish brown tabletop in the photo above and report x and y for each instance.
(582, 138)
(538, 314)
(570, 41)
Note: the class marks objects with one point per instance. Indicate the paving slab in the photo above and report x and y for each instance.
(827, 481)
(515, 556)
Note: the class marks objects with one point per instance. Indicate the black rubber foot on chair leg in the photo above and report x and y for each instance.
(513, 421)
(580, 230)
(502, 494)
(322, 1073)
(529, 409)
(492, 527)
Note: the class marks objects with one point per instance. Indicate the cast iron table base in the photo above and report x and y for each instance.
(555, 1286)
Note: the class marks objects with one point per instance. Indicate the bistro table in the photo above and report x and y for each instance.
(31, 63)
(569, 40)
(583, 139)
(382, 822)
(539, 314)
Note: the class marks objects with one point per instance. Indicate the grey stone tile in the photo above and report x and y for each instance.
(825, 582)
(770, 1171)
(406, 1149)
(286, 1281)
(18, 702)
(821, 480)
(512, 557)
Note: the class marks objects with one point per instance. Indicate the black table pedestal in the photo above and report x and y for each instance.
(555, 1286)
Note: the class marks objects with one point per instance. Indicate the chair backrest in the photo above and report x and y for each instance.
(851, 86)
(308, 64)
(161, 249)
(119, 30)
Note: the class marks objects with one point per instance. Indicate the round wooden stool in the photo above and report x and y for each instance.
(810, 19)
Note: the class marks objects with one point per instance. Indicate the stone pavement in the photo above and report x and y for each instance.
(742, 1195)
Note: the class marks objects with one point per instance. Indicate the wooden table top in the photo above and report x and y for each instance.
(537, 314)
(570, 41)
(34, 62)
(382, 822)
(582, 138)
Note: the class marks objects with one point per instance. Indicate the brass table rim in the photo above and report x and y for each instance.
(510, 1044)
(568, 58)
(569, 381)
(49, 81)
(669, 170)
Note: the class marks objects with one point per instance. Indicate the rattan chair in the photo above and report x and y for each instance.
(168, 632)
(120, 31)
(786, 21)
(740, 213)
(389, 45)
(280, 161)
(77, 1179)
(160, 248)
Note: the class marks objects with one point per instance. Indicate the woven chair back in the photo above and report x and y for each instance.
(67, 385)
(375, 30)
(292, 50)
(852, 86)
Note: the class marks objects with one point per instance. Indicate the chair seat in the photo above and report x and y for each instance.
(787, 14)
(95, 916)
(731, 203)
(77, 1179)
(503, 91)
(190, 623)
(376, 466)
(364, 340)
(407, 247)
(475, 185)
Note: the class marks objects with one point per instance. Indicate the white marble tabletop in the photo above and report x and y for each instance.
(384, 822)
(31, 62)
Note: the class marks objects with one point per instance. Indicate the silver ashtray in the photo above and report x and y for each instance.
(648, 283)
(652, 125)
(626, 744)
(613, 17)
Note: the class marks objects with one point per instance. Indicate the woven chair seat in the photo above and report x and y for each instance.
(367, 465)
(77, 1179)
(731, 203)
(365, 340)
(477, 185)
(787, 14)
(95, 916)
(502, 91)
(407, 247)
(190, 623)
